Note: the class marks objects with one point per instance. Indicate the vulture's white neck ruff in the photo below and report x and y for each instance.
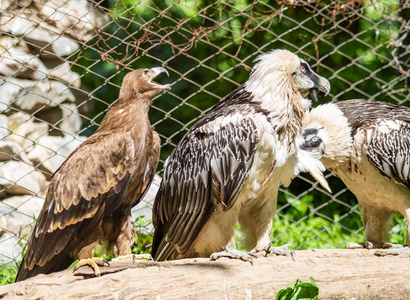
(272, 84)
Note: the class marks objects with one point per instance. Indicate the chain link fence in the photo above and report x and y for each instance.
(62, 63)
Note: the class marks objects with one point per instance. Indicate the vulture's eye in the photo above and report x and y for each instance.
(302, 69)
(146, 72)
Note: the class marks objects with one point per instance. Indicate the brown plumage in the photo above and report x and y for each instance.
(90, 196)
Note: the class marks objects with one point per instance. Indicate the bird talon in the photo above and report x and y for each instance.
(233, 253)
(106, 262)
(93, 263)
(281, 250)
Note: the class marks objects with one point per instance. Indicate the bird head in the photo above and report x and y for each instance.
(327, 135)
(313, 141)
(140, 83)
(309, 155)
(283, 70)
(306, 79)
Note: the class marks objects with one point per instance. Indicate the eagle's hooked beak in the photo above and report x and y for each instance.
(323, 86)
(154, 73)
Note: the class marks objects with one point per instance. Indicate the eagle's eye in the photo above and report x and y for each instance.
(146, 72)
(302, 69)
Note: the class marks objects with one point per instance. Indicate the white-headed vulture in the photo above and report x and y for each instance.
(228, 167)
(367, 144)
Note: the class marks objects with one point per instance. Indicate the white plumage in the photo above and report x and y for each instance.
(366, 143)
(228, 167)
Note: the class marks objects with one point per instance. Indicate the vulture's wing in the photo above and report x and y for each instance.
(389, 152)
(386, 137)
(208, 167)
(91, 183)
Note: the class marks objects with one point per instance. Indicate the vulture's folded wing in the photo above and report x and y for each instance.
(389, 151)
(207, 169)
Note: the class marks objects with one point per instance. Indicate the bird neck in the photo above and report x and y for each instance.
(129, 116)
(286, 106)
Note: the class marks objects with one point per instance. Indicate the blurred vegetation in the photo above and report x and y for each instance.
(299, 290)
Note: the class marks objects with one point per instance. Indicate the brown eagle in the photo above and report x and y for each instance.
(90, 196)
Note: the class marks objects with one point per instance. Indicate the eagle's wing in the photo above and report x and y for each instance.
(389, 151)
(90, 184)
(150, 169)
(208, 167)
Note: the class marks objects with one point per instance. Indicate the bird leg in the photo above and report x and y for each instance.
(126, 239)
(398, 249)
(281, 250)
(231, 252)
(94, 263)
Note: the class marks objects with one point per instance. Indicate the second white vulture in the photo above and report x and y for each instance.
(367, 144)
(228, 167)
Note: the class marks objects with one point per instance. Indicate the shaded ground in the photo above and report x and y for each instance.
(339, 274)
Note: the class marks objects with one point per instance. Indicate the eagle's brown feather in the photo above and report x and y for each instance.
(90, 196)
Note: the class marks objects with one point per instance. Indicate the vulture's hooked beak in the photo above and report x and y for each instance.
(154, 73)
(323, 85)
(318, 175)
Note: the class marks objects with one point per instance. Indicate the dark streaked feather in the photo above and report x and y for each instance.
(390, 154)
(237, 101)
(387, 151)
(206, 169)
(363, 113)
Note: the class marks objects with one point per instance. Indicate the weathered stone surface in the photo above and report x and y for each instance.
(16, 61)
(31, 96)
(63, 73)
(20, 212)
(10, 248)
(339, 274)
(24, 130)
(35, 31)
(51, 151)
(10, 150)
(20, 178)
(5, 4)
(62, 119)
(74, 17)
(3, 126)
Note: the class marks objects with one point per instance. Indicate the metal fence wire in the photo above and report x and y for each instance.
(62, 63)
